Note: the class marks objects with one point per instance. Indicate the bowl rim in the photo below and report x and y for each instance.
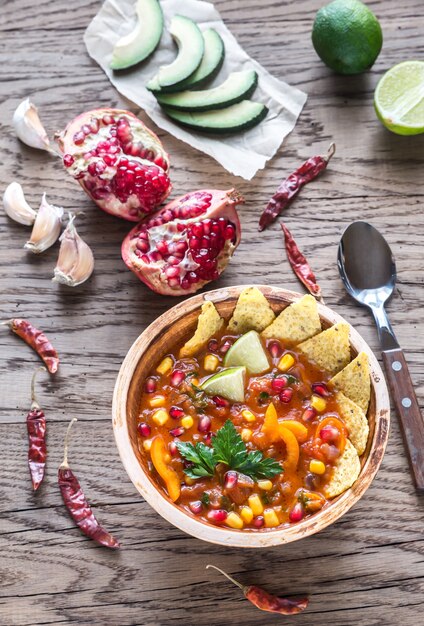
(223, 535)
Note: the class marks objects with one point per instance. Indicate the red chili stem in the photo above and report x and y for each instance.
(300, 265)
(37, 340)
(267, 601)
(290, 187)
(36, 427)
(77, 504)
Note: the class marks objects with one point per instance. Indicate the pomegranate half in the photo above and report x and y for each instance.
(187, 243)
(118, 161)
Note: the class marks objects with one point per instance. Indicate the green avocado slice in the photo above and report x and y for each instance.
(212, 60)
(238, 86)
(143, 39)
(237, 117)
(189, 40)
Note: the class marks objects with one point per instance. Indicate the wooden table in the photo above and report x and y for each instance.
(366, 569)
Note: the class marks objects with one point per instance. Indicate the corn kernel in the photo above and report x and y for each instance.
(160, 417)
(271, 518)
(157, 401)
(248, 416)
(188, 480)
(255, 504)
(194, 381)
(211, 362)
(246, 434)
(234, 521)
(187, 422)
(317, 467)
(266, 485)
(147, 444)
(318, 403)
(165, 366)
(246, 513)
(285, 363)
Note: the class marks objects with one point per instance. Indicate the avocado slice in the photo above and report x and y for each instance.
(189, 40)
(212, 60)
(238, 86)
(143, 39)
(237, 117)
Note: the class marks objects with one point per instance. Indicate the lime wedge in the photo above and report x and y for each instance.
(248, 351)
(227, 383)
(399, 98)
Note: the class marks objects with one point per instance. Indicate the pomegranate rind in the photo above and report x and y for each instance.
(222, 205)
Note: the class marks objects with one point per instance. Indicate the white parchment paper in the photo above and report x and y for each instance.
(242, 154)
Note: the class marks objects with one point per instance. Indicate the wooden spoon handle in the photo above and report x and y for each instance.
(408, 410)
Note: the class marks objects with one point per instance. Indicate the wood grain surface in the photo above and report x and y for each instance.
(368, 568)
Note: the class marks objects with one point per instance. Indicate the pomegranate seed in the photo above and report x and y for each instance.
(172, 260)
(321, 389)
(108, 119)
(185, 283)
(143, 245)
(297, 513)
(225, 347)
(279, 383)
(177, 377)
(177, 432)
(150, 385)
(162, 247)
(94, 126)
(230, 479)
(258, 521)
(218, 516)
(330, 452)
(275, 349)
(144, 429)
(79, 138)
(196, 507)
(109, 159)
(309, 414)
(194, 243)
(208, 439)
(173, 450)
(213, 345)
(219, 401)
(85, 129)
(176, 412)
(329, 433)
(68, 160)
(204, 424)
(197, 229)
(172, 271)
(230, 232)
(286, 395)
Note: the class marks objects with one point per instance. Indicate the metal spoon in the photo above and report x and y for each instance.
(368, 271)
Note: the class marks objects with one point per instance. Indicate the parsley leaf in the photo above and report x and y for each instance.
(200, 455)
(205, 499)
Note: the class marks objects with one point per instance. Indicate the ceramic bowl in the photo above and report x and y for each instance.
(179, 323)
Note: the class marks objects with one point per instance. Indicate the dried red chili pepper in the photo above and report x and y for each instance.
(300, 265)
(76, 502)
(291, 186)
(36, 426)
(266, 601)
(37, 340)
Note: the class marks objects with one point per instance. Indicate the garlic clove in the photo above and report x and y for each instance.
(76, 262)
(46, 227)
(28, 127)
(15, 205)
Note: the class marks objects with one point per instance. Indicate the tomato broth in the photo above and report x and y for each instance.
(305, 435)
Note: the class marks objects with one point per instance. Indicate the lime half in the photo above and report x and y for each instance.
(228, 383)
(248, 351)
(399, 98)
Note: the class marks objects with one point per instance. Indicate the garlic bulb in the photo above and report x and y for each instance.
(28, 127)
(46, 227)
(76, 262)
(15, 205)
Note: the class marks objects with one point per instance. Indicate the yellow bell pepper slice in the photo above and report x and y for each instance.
(299, 430)
(292, 447)
(159, 454)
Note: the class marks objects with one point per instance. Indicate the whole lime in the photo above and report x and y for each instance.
(347, 36)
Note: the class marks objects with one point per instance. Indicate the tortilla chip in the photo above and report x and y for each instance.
(296, 323)
(345, 472)
(355, 382)
(208, 324)
(252, 312)
(330, 350)
(355, 420)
